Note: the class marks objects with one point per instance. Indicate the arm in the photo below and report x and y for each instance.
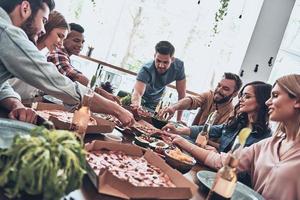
(197, 152)
(181, 89)
(182, 104)
(28, 64)
(81, 79)
(139, 90)
(179, 130)
(107, 95)
(62, 61)
(101, 105)
(18, 111)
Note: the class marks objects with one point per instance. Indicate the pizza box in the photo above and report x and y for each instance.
(103, 126)
(106, 183)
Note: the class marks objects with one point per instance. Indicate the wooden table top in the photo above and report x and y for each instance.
(88, 190)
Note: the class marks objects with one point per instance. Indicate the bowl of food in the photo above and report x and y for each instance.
(143, 140)
(179, 160)
(112, 137)
(158, 123)
(159, 144)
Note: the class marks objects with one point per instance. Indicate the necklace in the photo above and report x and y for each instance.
(285, 147)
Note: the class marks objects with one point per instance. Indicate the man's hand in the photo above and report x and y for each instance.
(23, 114)
(169, 111)
(126, 118)
(18, 111)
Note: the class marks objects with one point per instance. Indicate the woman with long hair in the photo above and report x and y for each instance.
(56, 31)
(272, 163)
(250, 111)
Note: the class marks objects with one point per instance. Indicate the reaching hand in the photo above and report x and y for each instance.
(181, 130)
(126, 118)
(23, 114)
(169, 112)
(178, 140)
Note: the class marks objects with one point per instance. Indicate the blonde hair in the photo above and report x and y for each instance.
(291, 84)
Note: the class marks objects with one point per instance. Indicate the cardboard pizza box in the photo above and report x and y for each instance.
(103, 126)
(107, 183)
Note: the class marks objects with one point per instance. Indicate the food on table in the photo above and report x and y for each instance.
(63, 116)
(126, 101)
(179, 155)
(147, 129)
(135, 170)
(46, 163)
(167, 139)
(143, 113)
(108, 118)
(159, 144)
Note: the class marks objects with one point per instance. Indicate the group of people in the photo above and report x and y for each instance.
(23, 34)
(271, 161)
(26, 70)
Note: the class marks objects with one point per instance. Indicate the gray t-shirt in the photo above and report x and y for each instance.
(156, 83)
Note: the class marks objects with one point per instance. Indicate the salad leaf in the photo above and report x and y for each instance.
(50, 163)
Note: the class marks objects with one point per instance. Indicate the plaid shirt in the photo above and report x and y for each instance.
(62, 61)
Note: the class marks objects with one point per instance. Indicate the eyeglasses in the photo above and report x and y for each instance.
(246, 96)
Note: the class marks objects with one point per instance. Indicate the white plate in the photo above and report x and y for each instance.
(9, 128)
(242, 192)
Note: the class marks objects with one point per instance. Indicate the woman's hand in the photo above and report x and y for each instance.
(171, 128)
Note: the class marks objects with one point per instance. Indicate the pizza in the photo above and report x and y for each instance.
(108, 118)
(135, 170)
(63, 116)
(145, 128)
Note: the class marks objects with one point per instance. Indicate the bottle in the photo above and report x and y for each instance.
(158, 108)
(225, 181)
(81, 116)
(167, 104)
(203, 136)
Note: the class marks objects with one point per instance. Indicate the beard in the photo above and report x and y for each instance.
(30, 30)
(224, 99)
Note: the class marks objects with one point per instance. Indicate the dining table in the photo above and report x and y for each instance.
(88, 191)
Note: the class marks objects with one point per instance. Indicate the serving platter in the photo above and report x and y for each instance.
(242, 192)
(9, 128)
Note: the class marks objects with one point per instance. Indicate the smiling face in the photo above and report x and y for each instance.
(34, 25)
(247, 101)
(282, 107)
(224, 91)
(55, 38)
(74, 42)
(162, 62)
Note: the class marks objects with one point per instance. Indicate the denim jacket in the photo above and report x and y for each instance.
(228, 136)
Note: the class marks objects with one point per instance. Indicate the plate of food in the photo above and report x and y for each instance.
(179, 160)
(242, 192)
(62, 116)
(143, 127)
(144, 140)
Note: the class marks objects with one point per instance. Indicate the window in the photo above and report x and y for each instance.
(288, 58)
(124, 33)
